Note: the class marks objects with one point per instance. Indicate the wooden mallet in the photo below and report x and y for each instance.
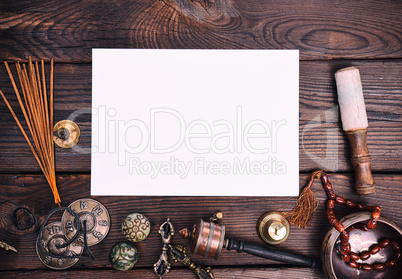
(354, 122)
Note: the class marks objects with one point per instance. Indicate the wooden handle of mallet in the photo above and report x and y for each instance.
(354, 122)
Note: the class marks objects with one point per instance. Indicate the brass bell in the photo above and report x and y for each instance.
(273, 228)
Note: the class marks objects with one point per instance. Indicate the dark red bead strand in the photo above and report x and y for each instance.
(395, 245)
(366, 267)
(365, 255)
(397, 256)
(390, 264)
(379, 266)
(347, 255)
(371, 224)
(352, 263)
(340, 200)
(350, 204)
(384, 243)
(374, 249)
(354, 256)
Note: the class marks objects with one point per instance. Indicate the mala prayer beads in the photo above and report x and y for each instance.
(347, 255)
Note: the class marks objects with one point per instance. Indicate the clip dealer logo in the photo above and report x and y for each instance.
(169, 143)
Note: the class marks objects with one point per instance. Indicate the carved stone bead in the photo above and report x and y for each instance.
(123, 256)
(136, 227)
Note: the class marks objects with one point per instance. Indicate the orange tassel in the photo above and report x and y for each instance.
(302, 214)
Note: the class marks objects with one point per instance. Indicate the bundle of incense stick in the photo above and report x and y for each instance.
(37, 109)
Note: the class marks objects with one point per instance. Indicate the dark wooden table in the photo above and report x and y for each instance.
(329, 34)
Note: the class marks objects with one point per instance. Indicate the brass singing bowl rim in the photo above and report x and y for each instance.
(332, 235)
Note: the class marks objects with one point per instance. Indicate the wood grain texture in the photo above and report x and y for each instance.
(323, 144)
(240, 216)
(224, 273)
(326, 29)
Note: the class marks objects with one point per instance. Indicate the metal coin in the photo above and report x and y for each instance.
(53, 236)
(96, 217)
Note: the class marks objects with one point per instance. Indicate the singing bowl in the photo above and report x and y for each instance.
(335, 268)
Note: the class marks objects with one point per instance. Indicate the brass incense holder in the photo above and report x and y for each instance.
(66, 133)
(208, 240)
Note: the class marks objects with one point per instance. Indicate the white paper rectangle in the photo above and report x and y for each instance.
(195, 122)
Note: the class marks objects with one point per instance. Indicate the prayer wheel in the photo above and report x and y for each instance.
(208, 239)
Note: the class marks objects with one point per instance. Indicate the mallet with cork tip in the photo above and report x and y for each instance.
(354, 122)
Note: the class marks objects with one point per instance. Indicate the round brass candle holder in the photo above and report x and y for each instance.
(66, 133)
(335, 268)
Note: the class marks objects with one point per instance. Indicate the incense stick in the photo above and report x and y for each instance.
(37, 109)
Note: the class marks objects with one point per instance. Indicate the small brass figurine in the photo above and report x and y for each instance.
(178, 254)
(166, 231)
(7, 247)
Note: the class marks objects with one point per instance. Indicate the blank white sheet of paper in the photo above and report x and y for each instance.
(195, 122)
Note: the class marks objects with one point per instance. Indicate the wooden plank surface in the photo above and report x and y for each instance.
(240, 216)
(322, 141)
(224, 273)
(329, 34)
(320, 29)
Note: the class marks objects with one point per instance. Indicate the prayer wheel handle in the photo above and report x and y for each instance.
(270, 253)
